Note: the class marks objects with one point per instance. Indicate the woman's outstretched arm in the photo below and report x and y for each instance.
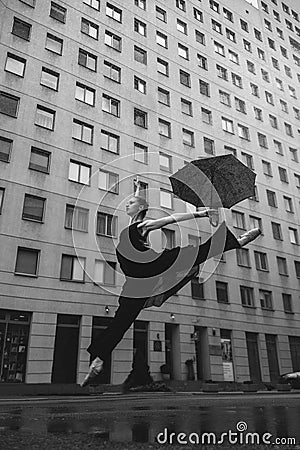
(155, 224)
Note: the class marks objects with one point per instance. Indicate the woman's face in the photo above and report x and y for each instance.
(133, 207)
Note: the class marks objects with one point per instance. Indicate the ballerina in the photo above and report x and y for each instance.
(152, 277)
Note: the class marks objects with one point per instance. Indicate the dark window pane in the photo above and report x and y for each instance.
(27, 260)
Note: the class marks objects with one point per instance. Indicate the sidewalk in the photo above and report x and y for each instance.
(18, 389)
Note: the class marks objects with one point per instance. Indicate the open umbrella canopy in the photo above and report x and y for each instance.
(216, 182)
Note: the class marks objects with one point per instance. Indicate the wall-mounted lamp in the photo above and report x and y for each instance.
(172, 316)
(106, 309)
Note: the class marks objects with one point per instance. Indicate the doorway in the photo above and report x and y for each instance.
(253, 357)
(271, 344)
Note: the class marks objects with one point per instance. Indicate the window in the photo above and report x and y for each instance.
(288, 129)
(27, 261)
(140, 153)
(85, 94)
(186, 107)
(93, 4)
(209, 146)
(89, 28)
(296, 113)
(181, 26)
(139, 84)
(243, 132)
(271, 197)
(188, 137)
(240, 105)
(276, 16)
(168, 238)
(294, 238)
(265, 75)
(183, 51)
(265, 299)
(254, 90)
(113, 12)
(200, 37)
(163, 96)
(5, 149)
(251, 67)
(294, 154)
(58, 12)
(282, 266)
(248, 160)
(258, 34)
(82, 131)
(288, 204)
(228, 14)
(283, 174)
(49, 78)
(292, 92)
(140, 4)
(166, 199)
(54, 44)
(185, 78)
(247, 296)
(264, 7)
(273, 121)
(227, 125)
(258, 113)
(106, 224)
(110, 141)
(79, 172)
(276, 230)
(110, 105)
(243, 257)
(14, 64)
(180, 4)
(275, 63)
(269, 98)
(255, 222)
(33, 208)
(143, 190)
(283, 52)
(234, 57)
(206, 116)
(230, 35)
(162, 67)
(197, 288)
(278, 147)
(112, 72)
(9, 104)
(247, 45)
(237, 80)
(204, 88)
(214, 6)
(198, 15)
(289, 25)
(21, 29)
(105, 272)
(140, 118)
(44, 117)
(219, 48)
(295, 15)
(262, 140)
(280, 33)
(268, 25)
(238, 220)
(164, 128)
(165, 162)
(161, 14)
(222, 292)
(222, 72)
(76, 218)
(288, 71)
(297, 268)
(161, 39)
(287, 303)
(39, 160)
(72, 268)
(87, 60)
(261, 261)
(140, 55)
(140, 27)
(108, 181)
(284, 106)
(216, 26)
(244, 25)
(297, 180)
(224, 98)
(113, 40)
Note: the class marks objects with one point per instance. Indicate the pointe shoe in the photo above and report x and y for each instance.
(95, 369)
(249, 236)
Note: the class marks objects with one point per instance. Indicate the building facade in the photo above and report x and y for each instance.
(94, 93)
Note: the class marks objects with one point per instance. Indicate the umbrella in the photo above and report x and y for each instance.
(216, 182)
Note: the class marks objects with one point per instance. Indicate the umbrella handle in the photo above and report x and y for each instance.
(214, 219)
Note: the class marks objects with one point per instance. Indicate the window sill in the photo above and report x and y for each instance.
(106, 235)
(28, 275)
(249, 306)
(110, 151)
(73, 281)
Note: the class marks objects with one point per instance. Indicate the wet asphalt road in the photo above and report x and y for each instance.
(152, 420)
